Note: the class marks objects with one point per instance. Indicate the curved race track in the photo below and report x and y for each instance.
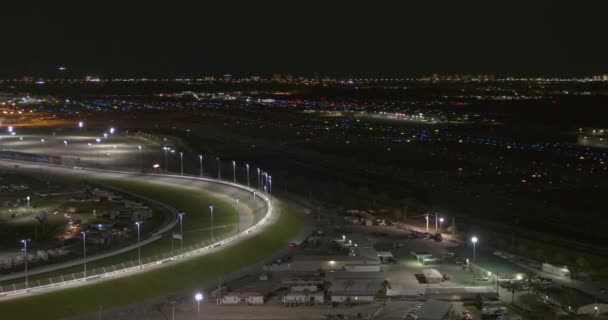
(256, 213)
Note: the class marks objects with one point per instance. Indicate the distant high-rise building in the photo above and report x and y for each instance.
(227, 77)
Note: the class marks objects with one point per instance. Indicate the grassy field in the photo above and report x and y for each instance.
(190, 274)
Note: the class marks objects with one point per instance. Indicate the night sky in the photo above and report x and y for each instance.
(332, 37)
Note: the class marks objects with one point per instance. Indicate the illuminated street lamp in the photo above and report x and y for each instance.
(247, 169)
(259, 181)
(138, 246)
(219, 173)
(233, 171)
(141, 159)
(441, 223)
(10, 129)
(211, 211)
(269, 184)
(24, 242)
(84, 247)
(474, 241)
(166, 149)
(238, 217)
(105, 135)
(519, 277)
(80, 125)
(181, 163)
(198, 297)
(200, 159)
(426, 216)
(41, 140)
(181, 230)
(112, 130)
(28, 200)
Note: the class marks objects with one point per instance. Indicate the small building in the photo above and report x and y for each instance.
(363, 268)
(241, 298)
(424, 257)
(385, 256)
(313, 297)
(432, 275)
(354, 290)
(435, 310)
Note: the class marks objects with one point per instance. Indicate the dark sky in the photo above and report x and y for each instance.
(345, 38)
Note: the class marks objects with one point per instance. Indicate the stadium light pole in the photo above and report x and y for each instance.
(238, 219)
(200, 159)
(247, 169)
(166, 162)
(141, 159)
(259, 181)
(97, 150)
(24, 242)
(211, 211)
(138, 246)
(233, 171)
(84, 251)
(436, 222)
(181, 230)
(474, 241)
(269, 184)
(198, 297)
(219, 174)
(181, 163)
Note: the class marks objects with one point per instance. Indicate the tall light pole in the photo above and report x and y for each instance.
(269, 184)
(141, 159)
(233, 171)
(211, 211)
(181, 230)
(181, 163)
(219, 173)
(166, 162)
(247, 169)
(238, 217)
(259, 181)
(24, 242)
(441, 223)
(474, 241)
(80, 125)
(426, 216)
(138, 246)
(112, 130)
(84, 251)
(198, 297)
(28, 200)
(200, 159)
(436, 222)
